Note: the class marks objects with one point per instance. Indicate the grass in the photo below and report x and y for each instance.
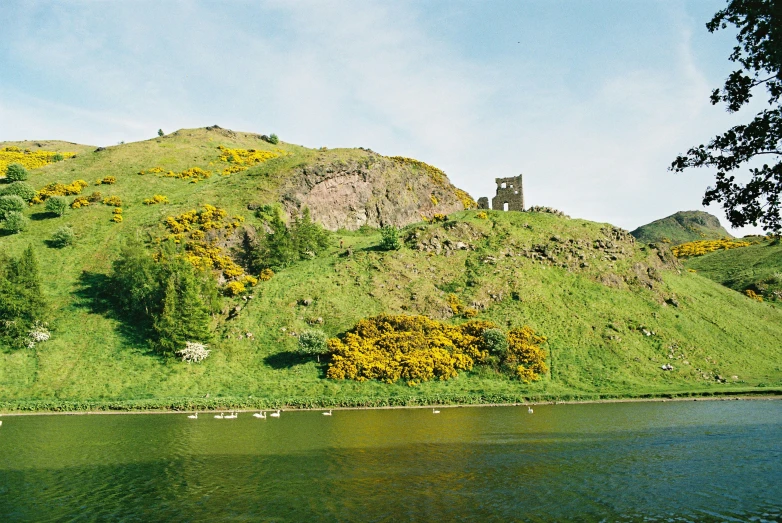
(757, 267)
(595, 310)
(682, 227)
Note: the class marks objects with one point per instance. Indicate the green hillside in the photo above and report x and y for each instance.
(757, 268)
(614, 311)
(682, 227)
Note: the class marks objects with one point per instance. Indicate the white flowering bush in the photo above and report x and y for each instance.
(38, 334)
(194, 352)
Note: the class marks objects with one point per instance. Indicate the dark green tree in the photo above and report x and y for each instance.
(16, 172)
(389, 238)
(759, 56)
(278, 249)
(56, 205)
(184, 315)
(309, 238)
(22, 303)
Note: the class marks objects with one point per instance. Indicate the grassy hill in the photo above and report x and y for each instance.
(614, 311)
(682, 227)
(757, 268)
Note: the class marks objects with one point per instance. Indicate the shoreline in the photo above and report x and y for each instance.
(125, 407)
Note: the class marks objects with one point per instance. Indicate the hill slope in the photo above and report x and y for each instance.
(682, 227)
(614, 311)
(757, 268)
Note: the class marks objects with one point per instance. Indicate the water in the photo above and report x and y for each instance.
(673, 461)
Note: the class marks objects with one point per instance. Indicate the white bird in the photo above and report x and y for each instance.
(193, 416)
(232, 415)
(275, 414)
(1, 423)
(259, 415)
(220, 416)
(327, 413)
(529, 410)
(435, 411)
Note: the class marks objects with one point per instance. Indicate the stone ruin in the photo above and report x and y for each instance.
(509, 197)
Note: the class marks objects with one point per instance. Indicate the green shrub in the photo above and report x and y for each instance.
(62, 237)
(273, 139)
(16, 172)
(313, 342)
(56, 205)
(495, 341)
(58, 157)
(160, 132)
(20, 189)
(390, 238)
(15, 222)
(10, 203)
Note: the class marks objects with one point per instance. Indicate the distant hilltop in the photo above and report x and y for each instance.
(682, 227)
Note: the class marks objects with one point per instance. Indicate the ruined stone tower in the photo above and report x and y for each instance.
(510, 194)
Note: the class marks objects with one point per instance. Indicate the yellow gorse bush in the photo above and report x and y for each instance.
(482, 215)
(27, 158)
(266, 275)
(192, 228)
(59, 189)
(116, 201)
(752, 295)
(156, 199)
(525, 354)
(241, 159)
(79, 202)
(153, 170)
(412, 348)
(701, 247)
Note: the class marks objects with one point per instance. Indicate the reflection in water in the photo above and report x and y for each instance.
(688, 461)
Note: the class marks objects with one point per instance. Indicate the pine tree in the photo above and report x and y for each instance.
(167, 327)
(279, 248)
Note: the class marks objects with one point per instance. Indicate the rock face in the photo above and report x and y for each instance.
(371, 190)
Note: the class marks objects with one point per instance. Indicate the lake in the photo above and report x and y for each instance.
(655, 461)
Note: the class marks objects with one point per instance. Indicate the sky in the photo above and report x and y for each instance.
(591, 100)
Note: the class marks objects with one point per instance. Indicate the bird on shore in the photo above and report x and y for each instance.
(435, 411)
(327, 413)
(275, 414)
(193, 416)
(529, 410)
(220, 416)
(259, 415)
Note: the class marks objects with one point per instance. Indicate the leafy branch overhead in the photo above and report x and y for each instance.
(759, 54)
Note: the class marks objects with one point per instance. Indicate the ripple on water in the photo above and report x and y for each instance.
(640, 462)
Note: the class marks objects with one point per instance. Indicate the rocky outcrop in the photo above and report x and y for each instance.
(369, 189)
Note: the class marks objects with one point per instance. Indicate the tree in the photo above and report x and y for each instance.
(309, 238)
(56, 205)
(389, 238)
(15, 222)
(22, 305)
(10, 203)
(759, 55)
(62, 237)
(184, 316)
(313, 342)
(279, 250)
(16, 172)
(160, 132)
(20, 189)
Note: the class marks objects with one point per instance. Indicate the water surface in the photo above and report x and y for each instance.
(672, 461)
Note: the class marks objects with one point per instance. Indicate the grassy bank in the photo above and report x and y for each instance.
(614, 311)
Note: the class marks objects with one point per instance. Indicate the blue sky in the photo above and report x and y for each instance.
(590, 100)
